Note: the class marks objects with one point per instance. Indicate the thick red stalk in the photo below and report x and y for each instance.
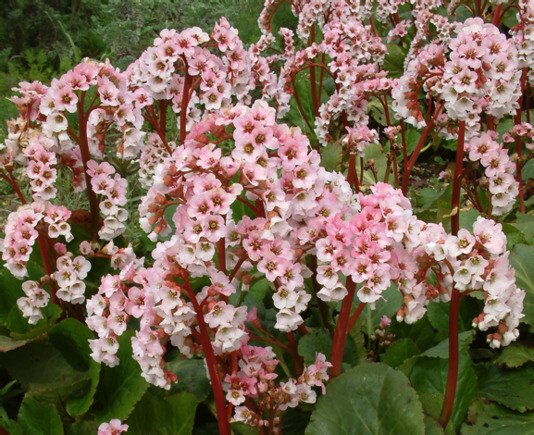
(340, 336)
(86, 156)
(409, 166)
(183, 109)
(355, 316)
(294, 352)
(452, 376)
(352, 178)
(497, 16)
(218, 394)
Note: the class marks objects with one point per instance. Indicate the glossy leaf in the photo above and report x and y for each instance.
(511, 388)
(170, 415)
(368, 399)
(487, 417)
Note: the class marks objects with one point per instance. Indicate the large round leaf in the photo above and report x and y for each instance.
(368, 399)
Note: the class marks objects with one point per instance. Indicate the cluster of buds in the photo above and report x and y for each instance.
(255, 394)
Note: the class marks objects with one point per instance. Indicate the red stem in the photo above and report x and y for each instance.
(237, 266)
(163, 115)
(294, 352)
(409, 166)
(452, 375)
(183, 109)
(496, 16)
(86, 156)
(220, 401)
(355, 316)
(340, 336)
(352, 178)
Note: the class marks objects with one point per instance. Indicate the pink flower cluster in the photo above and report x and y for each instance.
(498, 169)
(479, 261)
(113, 192)
(180, 59)
(106, 316)
(200, 182)
(36, 298)
(482, 74)
(21, 234)
(152, 154)
(364, 246)
(523, 36)
(56, 216)
(254, 393)
(114, 427)
(40, 168)
(356, 53)
(69, 276)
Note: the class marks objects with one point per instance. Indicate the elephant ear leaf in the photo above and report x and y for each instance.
(368, 399)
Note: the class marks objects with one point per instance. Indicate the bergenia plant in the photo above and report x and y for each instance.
(252, 208)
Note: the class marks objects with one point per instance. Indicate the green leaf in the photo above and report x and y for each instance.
(399, 352)
(522, 259)
(490, 418)
(376, 153)
(294, 420)
(511, 388)
(7, 343)
(192, 377)
(421, 332)
(394, 60)
(432, 427)
(515, 355)
(528, 170)
(36, 418)
(120, 387)
(259, 289)
(514, 235)
(441, 350)
(22, 330)
(82, 427)
(70, 337)
(430, 375)
(331, 156)
(11, 291)
(438, 315)
(432, 407)
(368, 399)
(318, 340)
(43, 372)
(525, 223)
(239, 428)
(170, 415)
